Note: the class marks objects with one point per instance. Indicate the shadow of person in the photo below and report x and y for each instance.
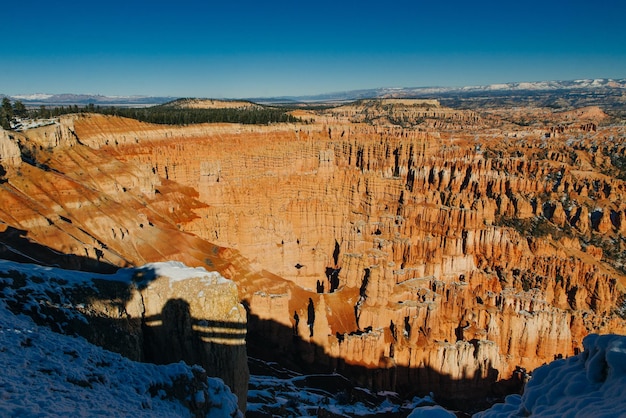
(169, 337)
(219, 346)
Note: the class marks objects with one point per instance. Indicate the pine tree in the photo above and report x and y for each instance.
(19, 109)
(6, 113)
(7, 108)
(43, 112)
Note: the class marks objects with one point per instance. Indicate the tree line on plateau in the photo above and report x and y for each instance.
(161, 114)
(9, 111)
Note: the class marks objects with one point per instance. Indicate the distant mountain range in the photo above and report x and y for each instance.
(38, 99)
(573, 86)
(435, 92)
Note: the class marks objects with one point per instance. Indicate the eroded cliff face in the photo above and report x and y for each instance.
(433, 256)
(9, 150)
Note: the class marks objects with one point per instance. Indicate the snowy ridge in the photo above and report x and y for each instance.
(34, 96)
(384, 92)
(67, 375)
(84, 99)
(586, 84)
(71, 276)
(40, 289)
(49, 374)
(551, 85)
(590, 384)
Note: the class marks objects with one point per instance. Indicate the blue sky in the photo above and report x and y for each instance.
(251, 49)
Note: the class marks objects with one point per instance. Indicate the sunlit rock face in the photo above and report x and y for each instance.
(416, 247)
(10, 155)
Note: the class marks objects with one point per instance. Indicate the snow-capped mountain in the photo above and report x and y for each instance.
(37, 99)
(551, 85)
(385, 92)
(32, 97)
(436, 91)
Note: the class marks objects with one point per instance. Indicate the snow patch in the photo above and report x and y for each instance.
(589, 384)
(49, 374)
(174, 270)
(434, 411)
(177, 271)
(35, 96)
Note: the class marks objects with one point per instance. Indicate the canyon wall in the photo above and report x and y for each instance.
(420, 248)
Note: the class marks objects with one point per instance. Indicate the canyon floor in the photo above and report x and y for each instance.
(409, 246)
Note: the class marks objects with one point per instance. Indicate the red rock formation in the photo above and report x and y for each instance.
(450, 249)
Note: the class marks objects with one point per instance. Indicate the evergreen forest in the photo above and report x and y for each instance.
(161, 114)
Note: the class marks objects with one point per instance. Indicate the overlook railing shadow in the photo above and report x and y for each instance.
(175, 334)
(218, 346)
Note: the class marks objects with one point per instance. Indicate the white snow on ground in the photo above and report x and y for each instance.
(288, 393)
(434, 411)
(72, 276)
(178, 271)
(591, 384)
(49, 374)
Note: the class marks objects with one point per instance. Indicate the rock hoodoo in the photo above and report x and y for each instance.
(416, 247)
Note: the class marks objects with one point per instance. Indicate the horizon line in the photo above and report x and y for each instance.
(287, 96)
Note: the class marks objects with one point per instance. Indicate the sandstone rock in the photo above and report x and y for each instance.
(403, 254)
(58, 135)
(594, 251)
(194, 316)
(604, 223)
(415, 215)
(9, 150)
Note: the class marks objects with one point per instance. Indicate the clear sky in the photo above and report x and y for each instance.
(240, 48)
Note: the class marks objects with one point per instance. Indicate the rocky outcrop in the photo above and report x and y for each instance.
(67, 373)
(423, 113)
(161, 313)
(9, 150)
(194, 316)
